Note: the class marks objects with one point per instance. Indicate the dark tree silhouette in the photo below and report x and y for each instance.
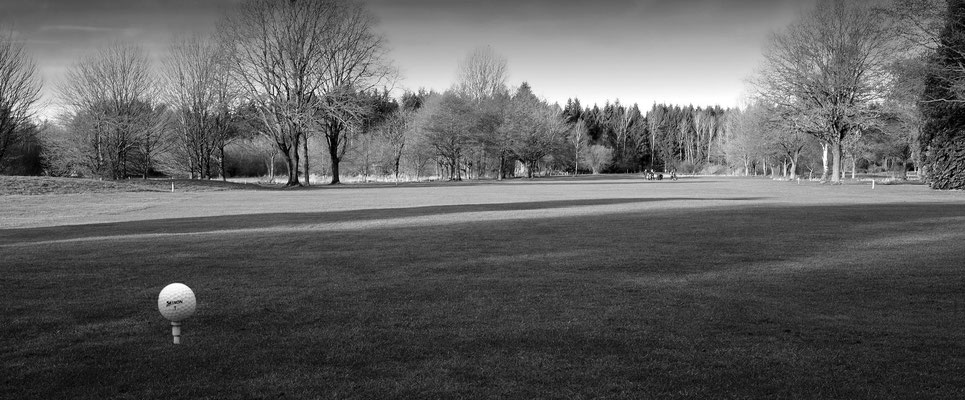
(19, 91)
(943, 106)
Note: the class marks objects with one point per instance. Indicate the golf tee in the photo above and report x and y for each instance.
(176, 332)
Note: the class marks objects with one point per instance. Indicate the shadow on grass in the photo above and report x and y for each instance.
(689, 181)
(849, 301)
(269, 220)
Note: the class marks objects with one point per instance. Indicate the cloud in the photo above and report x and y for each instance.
(39, 41)
(16, 36)
(66, 33)
(75, 28)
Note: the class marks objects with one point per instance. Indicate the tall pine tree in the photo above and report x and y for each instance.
(943, 107)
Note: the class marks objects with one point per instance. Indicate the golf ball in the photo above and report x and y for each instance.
(176, 302)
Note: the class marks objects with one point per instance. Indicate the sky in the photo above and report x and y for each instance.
(698, 52)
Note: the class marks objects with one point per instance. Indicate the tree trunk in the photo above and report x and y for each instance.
(836, 163)
(333, 155)
(147, 165)
(458, 170)
(207, 166)
(576, 169)
(854, 167)
(221, 162)
(295, 164)
(794, 165)
(824, 159)
(398, 160)
(191, 166)
(305, 155)
(333, 136)
(292, 164)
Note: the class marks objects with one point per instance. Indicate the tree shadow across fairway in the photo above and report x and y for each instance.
(270, 220)
(641, 181)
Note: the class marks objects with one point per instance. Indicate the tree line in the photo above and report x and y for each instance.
(863, 82)
(303, 87)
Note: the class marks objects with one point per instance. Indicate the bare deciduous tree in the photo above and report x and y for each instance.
(110, 96)
(781, 138)
(599, 157)
(446, 126)
(227, 120)
(302, 64)
(921, 23)
(394, 130)
(827, 68)
(356, 62)
(578, 139)
(744, 140)
(155, 139)
(199, 94)
(60, 151)
(19, 89)
(482, 74)
(481, 78)
(276, 51)
(535, 128)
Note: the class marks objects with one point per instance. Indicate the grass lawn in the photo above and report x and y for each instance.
(598, 287)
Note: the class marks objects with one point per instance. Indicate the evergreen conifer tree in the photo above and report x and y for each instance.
(943, 107)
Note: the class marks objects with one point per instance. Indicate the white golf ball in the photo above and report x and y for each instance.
(176, 302)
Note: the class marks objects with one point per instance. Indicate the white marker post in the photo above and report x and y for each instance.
(176, 303)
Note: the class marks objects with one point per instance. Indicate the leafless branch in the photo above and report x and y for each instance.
(111, 94)
(482, 74)
(19, 89)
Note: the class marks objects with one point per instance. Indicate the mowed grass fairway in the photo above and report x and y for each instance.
(610, 287)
